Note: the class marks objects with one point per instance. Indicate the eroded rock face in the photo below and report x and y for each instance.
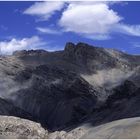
(124, 102)
(53, 92)
(29, 52)
(17, 128)
(8, 108)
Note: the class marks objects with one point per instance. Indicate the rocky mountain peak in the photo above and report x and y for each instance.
(80, 45)
(29, 52)
(69, 46)
(79, 48)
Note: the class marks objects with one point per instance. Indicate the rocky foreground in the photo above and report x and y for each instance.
(17, 128)
(64, 90)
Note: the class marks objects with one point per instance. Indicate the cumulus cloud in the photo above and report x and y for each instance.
(44, 10)
(48, 31)
(95, 20)
(8, 47)
(92, 19)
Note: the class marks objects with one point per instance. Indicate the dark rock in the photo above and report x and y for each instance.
(54, 92)
(7, 108)
(29, 52)
(125, 90)
(69, 46)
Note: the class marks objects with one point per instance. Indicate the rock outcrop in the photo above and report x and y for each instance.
(17, 128)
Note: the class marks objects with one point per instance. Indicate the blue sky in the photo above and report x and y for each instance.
(49, 25)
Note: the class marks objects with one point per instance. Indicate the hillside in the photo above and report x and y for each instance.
(63, 89)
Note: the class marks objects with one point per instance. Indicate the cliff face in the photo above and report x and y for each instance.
(7, 108)
(64, 88)
(53, 92)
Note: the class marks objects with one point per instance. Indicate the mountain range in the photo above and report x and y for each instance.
(65, 90)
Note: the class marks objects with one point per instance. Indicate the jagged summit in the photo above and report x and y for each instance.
(80, 47)
(80, 57)
(29, 52)
(70, 45)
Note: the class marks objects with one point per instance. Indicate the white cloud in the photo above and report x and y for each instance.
(97, 36)
(52, 48)
(92, 19)
(48, 30)
(8, 47)
(135, 45)
(95, 20)
(133, 30)
(44, 10)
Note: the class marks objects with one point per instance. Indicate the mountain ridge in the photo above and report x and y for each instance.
(81, 82)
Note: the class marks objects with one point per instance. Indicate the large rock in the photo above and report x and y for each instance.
(17, 128)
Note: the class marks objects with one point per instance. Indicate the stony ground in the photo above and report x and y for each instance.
(17, 128)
